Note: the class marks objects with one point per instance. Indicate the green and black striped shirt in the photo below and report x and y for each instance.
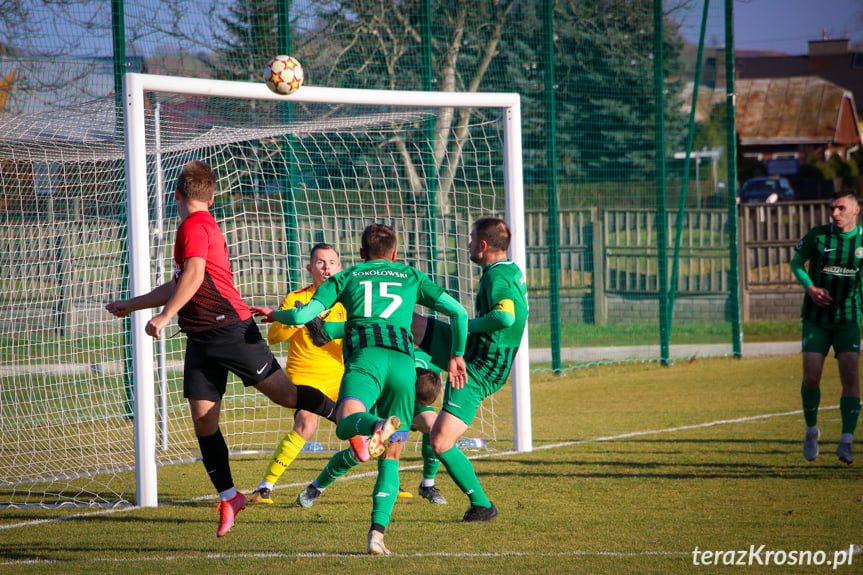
(491, 353)
(835, 264)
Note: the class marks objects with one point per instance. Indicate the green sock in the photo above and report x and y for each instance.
(338, 465)
(811, 400)
(431, 464)
(386, 491)
(360, 423)
(849, 407)
(462, 473)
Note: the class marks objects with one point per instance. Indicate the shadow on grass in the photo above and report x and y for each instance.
(660, 459)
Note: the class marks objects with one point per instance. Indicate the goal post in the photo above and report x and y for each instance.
(137, 86)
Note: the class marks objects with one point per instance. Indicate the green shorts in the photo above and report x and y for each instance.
(382, 379)
(818, 337)
(464, 402)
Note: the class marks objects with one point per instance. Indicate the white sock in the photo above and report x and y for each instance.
(265, 485)
(228, 494)
(846, 438)
(811, 429)
(318, 487)
(427, 482)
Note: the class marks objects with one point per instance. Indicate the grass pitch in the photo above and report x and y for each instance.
(634, 467)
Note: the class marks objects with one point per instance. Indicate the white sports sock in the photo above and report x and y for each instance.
(846, 438)
(228, 494)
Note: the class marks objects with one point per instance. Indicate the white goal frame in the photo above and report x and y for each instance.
(134, 87)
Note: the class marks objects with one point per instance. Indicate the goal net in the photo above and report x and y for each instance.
(90, 405)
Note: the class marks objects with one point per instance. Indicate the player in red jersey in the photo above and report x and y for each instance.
(221, 335)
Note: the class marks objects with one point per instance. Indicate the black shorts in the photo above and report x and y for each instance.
(211, 354)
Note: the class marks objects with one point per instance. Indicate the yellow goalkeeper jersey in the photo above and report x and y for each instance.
(309, 364)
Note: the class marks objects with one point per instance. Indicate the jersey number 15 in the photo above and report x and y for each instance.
(383, 292)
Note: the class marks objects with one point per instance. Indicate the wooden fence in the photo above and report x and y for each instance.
(620, 249)
(615, 252)
(767, 236)
(604, 255)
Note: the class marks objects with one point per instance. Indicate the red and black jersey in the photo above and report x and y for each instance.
(217, 302)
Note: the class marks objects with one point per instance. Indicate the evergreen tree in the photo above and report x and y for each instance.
(604, 59)
(251, 38)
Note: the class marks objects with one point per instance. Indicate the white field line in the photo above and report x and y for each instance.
(353, 476)
(357, 555)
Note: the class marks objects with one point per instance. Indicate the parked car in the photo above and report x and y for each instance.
(765, 190)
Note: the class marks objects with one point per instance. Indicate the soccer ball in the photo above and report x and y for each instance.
(283, 75)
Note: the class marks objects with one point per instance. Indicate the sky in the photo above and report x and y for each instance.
(787, 25)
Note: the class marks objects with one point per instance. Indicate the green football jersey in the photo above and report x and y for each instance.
(835, 263)
(501, 286)
(379, 297)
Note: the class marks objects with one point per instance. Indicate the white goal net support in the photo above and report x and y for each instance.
(90, 406)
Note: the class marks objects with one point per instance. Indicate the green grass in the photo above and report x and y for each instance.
(575, 334)
(625, 477)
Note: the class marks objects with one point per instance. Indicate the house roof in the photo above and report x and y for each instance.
(796, 110)
(844, 68)
(777, 111)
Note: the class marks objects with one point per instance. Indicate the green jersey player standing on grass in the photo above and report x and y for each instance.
(379, 296)
(831, 316)
(495, 335)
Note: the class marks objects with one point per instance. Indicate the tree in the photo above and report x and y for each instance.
(379, 43)
(606, 94)
(35, 32)
(249, 41)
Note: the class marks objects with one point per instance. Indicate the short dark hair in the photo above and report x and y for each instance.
(846, 193)
(196, 181)
(321, 246)
(428, 386)
(379, 240)
(494, 231)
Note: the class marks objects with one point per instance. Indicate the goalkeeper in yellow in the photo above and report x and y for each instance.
(308, 364)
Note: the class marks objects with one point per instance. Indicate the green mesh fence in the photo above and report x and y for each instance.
(628, 130)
